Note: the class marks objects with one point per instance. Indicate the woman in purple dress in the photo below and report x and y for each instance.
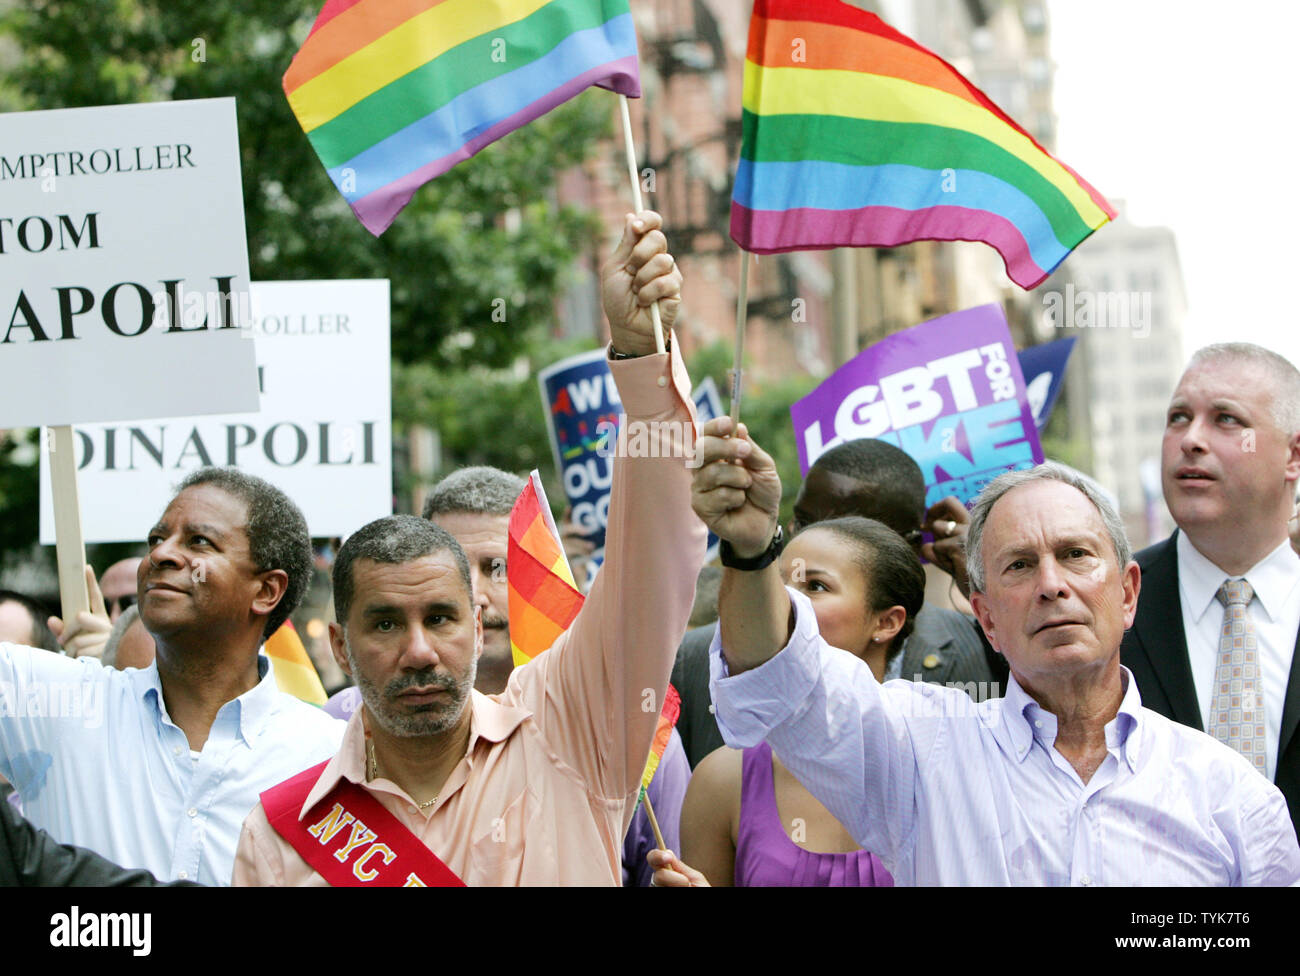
(746, 820)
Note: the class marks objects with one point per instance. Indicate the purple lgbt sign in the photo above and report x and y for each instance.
(949, 392)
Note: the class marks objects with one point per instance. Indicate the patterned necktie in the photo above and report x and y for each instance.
(1237, 710)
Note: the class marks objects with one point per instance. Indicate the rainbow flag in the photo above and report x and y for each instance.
(855, 135)
(294, 672)
(392, 93)
(543, 599)
(668, 716)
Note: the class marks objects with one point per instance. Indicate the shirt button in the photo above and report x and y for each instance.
(712, 710)
(1038, 723)
(182, 875)
(192, 812)
(663, 381)
(176, 751)
(1085, 880)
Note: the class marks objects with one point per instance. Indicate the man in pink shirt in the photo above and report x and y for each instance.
(536, 785)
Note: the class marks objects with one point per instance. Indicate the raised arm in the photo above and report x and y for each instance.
(597, 693)
(845, 738)
(737, 493)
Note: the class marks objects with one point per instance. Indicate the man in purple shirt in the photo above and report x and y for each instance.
(1067, 780)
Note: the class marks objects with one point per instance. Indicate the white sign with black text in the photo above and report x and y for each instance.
(123, 264)
(323, 434)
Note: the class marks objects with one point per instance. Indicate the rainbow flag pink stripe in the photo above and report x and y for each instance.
(855, 135)
(393, 93)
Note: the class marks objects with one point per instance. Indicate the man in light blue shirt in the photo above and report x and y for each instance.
(1067, 780)
(157, 768)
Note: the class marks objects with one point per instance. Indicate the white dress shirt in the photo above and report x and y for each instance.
(100, 764)
(949, 792)
(1274, 611)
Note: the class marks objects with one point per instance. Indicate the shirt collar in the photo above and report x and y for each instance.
(1274, 579)
(253, 706)
(1024, 718)
(489, 720)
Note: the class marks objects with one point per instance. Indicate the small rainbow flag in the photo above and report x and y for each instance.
(668, 716)
(294, 672)
(392, 93)
(855, 135)
(543, 599)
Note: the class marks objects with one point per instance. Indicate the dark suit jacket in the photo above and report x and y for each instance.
(945, 647)
(1155, 650)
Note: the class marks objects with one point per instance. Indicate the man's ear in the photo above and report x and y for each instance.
(1293, 460)
(478, 631)
(1132, 583)
(985, 618)
(340, 652)
(272, 585)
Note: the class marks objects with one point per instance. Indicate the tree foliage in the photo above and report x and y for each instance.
(488, 236)
(450, 255)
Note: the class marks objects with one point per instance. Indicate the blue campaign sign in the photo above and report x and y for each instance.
(1044, 370)
(583, 410)
(708, 405)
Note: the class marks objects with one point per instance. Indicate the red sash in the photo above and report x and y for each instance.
(350, 839)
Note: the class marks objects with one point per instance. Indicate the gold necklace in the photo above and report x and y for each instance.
(372, 772)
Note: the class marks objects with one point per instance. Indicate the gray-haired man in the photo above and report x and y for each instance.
(1067, 780)
(473, 504)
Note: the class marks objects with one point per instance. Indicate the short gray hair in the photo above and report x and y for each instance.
(120, 627)
(1048, 471)
(475, 491)
(1285, 402)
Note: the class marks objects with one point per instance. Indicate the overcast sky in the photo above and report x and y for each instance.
(1186, 109)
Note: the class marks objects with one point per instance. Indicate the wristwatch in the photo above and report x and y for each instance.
(619, 356)
(727, 556)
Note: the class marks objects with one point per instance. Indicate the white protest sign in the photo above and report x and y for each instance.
(123, 264)
(323, 434)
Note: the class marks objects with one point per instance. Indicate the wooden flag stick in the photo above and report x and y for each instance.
(654, 821)
(742, 310)
(70, 545)
(636, 196)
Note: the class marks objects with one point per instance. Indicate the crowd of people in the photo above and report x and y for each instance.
(1098, 717)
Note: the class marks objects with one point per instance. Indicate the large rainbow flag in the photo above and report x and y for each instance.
(855, 135)
(392, 93)
(543, 598)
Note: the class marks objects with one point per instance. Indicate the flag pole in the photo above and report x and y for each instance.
(636, 196)
(742, 310)
(69, 543)
(654, 821)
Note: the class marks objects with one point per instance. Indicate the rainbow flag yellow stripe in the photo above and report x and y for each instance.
(294, 672)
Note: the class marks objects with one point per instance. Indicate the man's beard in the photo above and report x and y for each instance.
(431, 719)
